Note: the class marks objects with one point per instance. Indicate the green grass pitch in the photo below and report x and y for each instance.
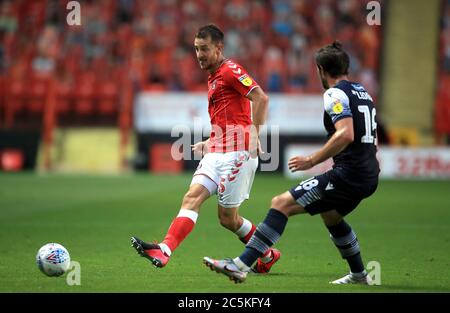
(405, 227)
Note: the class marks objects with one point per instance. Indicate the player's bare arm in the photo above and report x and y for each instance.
(260, 104)
(337, 143)
(200, 148)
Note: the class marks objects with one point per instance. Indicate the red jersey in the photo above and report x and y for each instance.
(228, 107)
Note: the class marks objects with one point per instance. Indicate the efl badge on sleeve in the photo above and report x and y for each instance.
(338, 108)
(246, 80)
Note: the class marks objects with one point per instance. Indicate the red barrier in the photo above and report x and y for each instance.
(161, 160)
(11, 160)
(442, 107)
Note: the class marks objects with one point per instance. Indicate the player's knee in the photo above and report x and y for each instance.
(281, 203)
(276, 202)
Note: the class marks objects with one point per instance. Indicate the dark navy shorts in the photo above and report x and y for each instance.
(328, 192)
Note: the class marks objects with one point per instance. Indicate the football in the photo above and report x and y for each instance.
(53, 259)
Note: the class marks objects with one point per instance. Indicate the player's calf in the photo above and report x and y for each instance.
(268, 259)
(345, 240)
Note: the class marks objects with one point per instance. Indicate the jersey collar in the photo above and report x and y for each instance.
(220, 65)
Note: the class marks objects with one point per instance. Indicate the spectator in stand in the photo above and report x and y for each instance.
(280, 35)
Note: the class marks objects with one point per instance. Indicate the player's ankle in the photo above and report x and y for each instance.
(359, 275)
(267, 257)
(165, 249)
(241, 265)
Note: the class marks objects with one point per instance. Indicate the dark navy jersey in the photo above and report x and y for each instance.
(357, 163)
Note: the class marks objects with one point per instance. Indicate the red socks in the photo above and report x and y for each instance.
(181, 226)
(184, 223)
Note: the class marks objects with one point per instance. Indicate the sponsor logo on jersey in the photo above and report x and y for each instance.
(337, 107)
(363, 95)
(358, 87)
(246, 80)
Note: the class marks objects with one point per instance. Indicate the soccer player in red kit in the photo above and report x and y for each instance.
(230, 155)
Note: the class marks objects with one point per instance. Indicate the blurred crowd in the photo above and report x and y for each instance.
(151, 41)
(445, 39)
(442, 116)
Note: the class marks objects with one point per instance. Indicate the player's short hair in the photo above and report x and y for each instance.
(333, 59)
(211, 31)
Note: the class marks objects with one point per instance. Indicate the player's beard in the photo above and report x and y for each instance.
(203, 64)
(206, 65)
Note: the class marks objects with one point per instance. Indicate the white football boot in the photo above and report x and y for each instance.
(352, 279)
(227, 267)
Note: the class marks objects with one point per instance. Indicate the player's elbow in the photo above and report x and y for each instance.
(258, 97)
(263, 100)
(347, 137)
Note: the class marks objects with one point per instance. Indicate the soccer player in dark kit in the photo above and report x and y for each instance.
(349, 119)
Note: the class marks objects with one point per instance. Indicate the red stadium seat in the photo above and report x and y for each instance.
(84, 97)
(63, 97)
(156, 87)
(17, 94)
(2, 96)
(37, 95)
(201, 87)
(15, 100)
(108, 98)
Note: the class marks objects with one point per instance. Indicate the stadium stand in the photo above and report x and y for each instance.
(152, 41)
(442, 112)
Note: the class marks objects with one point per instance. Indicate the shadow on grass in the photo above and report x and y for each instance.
(407, 288)
(382, 288)
(324, 276)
